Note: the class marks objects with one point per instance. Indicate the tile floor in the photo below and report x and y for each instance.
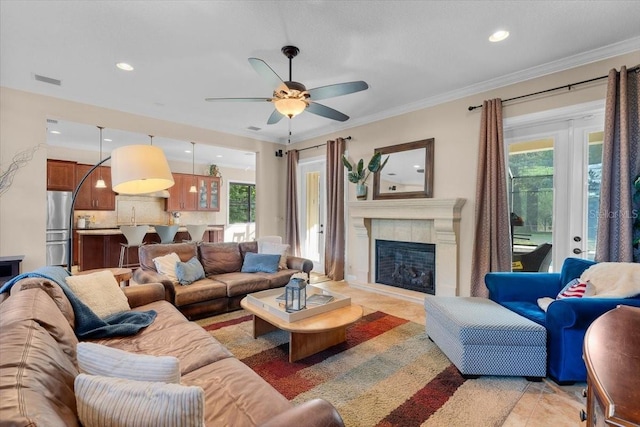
(543, 404)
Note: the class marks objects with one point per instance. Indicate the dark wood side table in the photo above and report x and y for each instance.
(121, 274)
(612, 356)
(9, 267)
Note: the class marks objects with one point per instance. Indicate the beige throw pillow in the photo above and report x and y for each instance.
(116, 402)
(100, 292)
(96, 359)
(167, 265)
(275, 249)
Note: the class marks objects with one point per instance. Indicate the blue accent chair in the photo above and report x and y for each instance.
(566, 320)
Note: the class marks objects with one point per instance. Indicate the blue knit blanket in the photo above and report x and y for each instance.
(88, 324)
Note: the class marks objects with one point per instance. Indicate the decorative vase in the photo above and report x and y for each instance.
(361, 191)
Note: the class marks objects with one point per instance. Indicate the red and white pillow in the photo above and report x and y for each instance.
(574, 289)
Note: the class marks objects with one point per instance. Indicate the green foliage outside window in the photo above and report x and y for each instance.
(242, 203)
(532, 194)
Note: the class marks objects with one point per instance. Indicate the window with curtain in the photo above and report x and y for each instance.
(242, 203)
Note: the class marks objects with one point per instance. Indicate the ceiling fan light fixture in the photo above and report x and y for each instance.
(290, 107)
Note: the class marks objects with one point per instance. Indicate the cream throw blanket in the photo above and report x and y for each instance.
(613, 279)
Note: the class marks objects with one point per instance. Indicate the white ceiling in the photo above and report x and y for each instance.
(79, 136)
(411, 53)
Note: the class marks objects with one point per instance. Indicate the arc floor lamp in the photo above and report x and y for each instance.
(135, 169)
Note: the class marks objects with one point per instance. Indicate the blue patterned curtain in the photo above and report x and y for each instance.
(619, 222)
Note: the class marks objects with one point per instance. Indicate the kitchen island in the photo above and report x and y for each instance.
(100, 247)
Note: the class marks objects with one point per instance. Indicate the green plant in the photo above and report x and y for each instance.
(357, 173)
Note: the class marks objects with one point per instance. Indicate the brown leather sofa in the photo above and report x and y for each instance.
(224, 286)
(38, 363)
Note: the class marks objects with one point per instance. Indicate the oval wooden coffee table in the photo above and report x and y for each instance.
(307, 336)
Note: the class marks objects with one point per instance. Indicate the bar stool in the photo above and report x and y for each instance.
(134, 234)
(196, 231)
(166, 232)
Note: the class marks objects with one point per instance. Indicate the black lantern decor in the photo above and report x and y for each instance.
(295, 295)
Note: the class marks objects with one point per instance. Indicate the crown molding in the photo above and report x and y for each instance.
(577, 60)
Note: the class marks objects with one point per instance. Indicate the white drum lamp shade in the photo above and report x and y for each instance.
(139, 169)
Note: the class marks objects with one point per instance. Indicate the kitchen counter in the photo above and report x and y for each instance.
(112, 231)
(100, 247)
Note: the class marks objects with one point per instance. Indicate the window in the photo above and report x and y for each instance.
(242, 203)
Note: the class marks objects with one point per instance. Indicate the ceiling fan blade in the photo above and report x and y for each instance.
(238, 99)
(266, 72)
(338, 89)
(275, 117)
(324, 111)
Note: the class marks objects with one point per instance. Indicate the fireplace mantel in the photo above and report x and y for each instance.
(443, 214)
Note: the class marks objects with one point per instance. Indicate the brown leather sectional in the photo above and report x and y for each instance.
(38, 363)
(224, 285)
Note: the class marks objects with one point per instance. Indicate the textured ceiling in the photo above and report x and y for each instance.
(411, 53)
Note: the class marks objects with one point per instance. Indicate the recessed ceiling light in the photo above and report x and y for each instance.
(416, 166)
(187, 151)
(107, 140)
(498, 36)
(124, 66)
(57, 132)
(218, 155)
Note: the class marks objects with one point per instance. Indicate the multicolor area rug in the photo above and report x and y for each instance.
(387, 373)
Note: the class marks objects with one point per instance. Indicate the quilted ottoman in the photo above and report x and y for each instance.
(482, 337)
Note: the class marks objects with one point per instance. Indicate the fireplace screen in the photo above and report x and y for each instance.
(406, 265)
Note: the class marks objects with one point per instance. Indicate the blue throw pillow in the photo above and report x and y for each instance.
(190, 271)
(264, 263)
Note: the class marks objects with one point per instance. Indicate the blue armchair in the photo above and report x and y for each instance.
(566, 320)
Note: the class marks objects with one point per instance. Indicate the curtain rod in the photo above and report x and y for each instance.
(318, 146)
(569, 86)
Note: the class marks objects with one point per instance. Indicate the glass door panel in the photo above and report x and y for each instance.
(312, 212)
(554, 185)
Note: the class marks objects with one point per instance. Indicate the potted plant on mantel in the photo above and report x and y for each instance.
(359, 176)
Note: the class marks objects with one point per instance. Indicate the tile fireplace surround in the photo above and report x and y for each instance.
(409, 220)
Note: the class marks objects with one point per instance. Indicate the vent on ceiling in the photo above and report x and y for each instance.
(45, 79)
(253, 128)
(52, 121)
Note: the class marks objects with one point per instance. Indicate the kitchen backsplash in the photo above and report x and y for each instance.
(148, 210)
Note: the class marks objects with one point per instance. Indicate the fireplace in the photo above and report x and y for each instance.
(406, 265)
(432, 221)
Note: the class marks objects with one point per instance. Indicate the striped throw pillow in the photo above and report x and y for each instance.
(96, 359)
(576, 289)
(116, 402)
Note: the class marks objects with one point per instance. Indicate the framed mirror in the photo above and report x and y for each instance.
(409, 172)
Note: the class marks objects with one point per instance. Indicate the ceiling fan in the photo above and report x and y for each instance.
(292, 98)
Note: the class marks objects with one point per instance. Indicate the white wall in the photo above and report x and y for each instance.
(456, 133)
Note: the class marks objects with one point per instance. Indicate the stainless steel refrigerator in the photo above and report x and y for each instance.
(58, 211)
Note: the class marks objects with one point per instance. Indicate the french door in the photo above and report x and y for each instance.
(311, 197)
(554, 169)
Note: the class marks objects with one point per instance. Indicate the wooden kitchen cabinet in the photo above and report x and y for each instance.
(92, 198)
(179, 197)
(208, 193)
(214, 236)
(61, 175)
